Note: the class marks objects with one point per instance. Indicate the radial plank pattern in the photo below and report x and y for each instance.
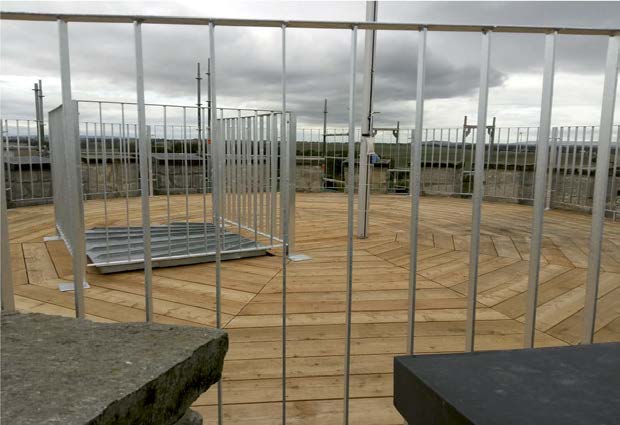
(252, 291)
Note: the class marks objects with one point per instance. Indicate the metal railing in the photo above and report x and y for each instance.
(447, 165)
(601, 172)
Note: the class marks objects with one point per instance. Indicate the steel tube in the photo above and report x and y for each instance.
(6, 276)
(540, 189)
(350, 230)
(478, 193)
(74, 173)
(552, 160)
(600, 188)
(284, 218)
(275, 23)
(144, 172)
(415, 174)
(217, 193)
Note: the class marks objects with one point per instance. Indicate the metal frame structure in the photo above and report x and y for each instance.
(486, 31)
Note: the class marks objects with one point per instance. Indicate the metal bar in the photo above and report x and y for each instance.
(552, 160)
(87, 159)
(255, 187)
(167, 184)
(350, 230)
(104, 147)
(284, 219)
(275, 23)
(216, 192)
(415, 174)
(28, 138)
(590, 159)
(144, 172)
(6, 276)
(474, 249)
(367, 132)
(19, 169)
(613, 195)
(274, 175)
(126, 171)
(600, 188)
(186, 179)
(539, 189)
(581, 149)
(572, 168)
(74, 180)
(292, 186)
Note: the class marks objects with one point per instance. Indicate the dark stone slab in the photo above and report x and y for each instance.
(577, 385)
(58, 370)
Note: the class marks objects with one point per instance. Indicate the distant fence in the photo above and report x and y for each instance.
(109, 162)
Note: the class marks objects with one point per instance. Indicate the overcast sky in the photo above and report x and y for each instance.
(248, 59)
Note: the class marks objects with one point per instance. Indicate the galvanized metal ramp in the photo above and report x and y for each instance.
(115, 249)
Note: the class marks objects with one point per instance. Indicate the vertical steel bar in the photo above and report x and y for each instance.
(186, 179)
(104, 167)
(19, 167)
(291, 188)
(5, 139)
(125, 141)
(87, 159)
(274, 174)
(600, 188)
(590, 163)
(255, 186)
(284, 218)
(6, 276)
(217, 173)
(552, 160)
(539, 189)
(415, 174)
(29, 140)
(167, 183)
(613, 191)
(581, 154)
(74, 180)
(350, 229)
(144, 172)
(474, 249)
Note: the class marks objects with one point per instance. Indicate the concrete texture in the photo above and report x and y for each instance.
(58, 370)
(577, 385)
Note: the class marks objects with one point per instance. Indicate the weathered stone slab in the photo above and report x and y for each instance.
(58, 370)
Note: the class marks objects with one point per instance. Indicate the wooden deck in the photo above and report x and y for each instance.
(251, 297)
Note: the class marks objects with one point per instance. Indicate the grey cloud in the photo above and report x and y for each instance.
(248, 60)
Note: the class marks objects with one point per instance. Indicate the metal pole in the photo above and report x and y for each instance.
(144, 173)
(600, 188)
(542, 161)
(350, 230)
(42, 122)
(198, 102)
(415, 174)
(552, 159)
(216, 169)
(324, 142)
(6, 276)
(478, 193)
(74, 180)
(284, 190)
(367, 130)
(37, 111)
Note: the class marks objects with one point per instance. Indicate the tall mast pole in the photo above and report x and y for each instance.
(367, 124)
(198, 102)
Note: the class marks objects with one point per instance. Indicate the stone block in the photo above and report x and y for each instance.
(58, 370)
